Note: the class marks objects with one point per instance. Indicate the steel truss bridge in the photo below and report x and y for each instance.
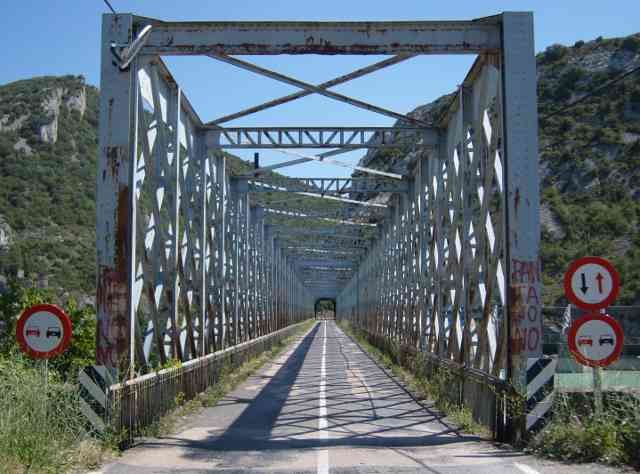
(188, 265)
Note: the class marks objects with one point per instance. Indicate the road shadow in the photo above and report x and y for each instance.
(284, 414)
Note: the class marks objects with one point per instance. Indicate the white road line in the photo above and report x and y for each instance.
(525, 469)
(323, 454)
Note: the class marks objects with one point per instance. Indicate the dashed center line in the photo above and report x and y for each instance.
(323, 434)
(526, 469)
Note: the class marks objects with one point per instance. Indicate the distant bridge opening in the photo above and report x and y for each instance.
(325, 308)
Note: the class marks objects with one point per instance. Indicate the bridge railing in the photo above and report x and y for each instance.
(136, 404)
(492, 401)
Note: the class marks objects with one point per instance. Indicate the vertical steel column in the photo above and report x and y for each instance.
(235, 226)
(422, 180)
(275, 288)
(175, 243)
(520, 125)
(116, 202)
(268, 279)
(201, 153)
(440, 214)
(221, 175)
(245, 277)
(520, 148)
(468, 187)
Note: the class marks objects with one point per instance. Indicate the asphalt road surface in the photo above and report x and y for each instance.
(325, 406)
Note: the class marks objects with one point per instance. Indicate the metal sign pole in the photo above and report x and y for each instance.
(597, 385)
(597, 390)
(44, 369)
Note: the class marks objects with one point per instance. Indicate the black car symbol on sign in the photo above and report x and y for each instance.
(54, 332)
(606, 339)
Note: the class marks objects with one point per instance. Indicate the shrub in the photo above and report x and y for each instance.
(576, 434)
(555, 52)
(631, 43)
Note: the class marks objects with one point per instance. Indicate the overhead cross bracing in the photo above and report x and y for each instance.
(192, 260)
(324, 186)
(313, 137)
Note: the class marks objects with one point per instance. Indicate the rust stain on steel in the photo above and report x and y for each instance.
(110, 114)
(516, 308)
(112, 295)
(112, 338)
(113, 154)
(122, 231)
(321, 47)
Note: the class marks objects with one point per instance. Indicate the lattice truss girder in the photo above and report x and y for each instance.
(205, 275)
(315, 137)
(436, 278)
(187, 267)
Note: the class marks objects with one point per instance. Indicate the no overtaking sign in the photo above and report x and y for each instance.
(591, 283)
(44, 331)
(596, 340)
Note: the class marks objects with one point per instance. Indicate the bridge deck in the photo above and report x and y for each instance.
(324, 406)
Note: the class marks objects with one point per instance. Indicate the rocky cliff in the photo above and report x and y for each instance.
(48, 144)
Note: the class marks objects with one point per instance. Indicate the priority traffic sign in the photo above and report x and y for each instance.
(44, 331)
(591, 283)
(596, 340)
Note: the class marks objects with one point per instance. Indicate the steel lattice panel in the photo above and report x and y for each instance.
(202, 267)
(436, 278)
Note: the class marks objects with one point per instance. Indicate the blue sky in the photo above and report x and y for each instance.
(58, 37)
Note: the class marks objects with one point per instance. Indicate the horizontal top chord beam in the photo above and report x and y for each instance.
(317, 137)
(300, 234)
(330, 38)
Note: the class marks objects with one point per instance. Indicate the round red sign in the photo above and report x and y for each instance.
(591, 283)
(596, 340)
(44, 331)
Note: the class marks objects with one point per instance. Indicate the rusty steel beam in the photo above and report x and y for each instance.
(314, 89)
(312, 248)
(334, 231)
(304, 93)
(285, 164)
(341, 164)
(329, 38)
(324, 186)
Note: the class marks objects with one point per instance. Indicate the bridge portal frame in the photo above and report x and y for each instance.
(201, 240)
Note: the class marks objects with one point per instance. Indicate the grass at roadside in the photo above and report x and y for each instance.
(229, 380)
(577, 434)
(41, 428)
(419, 386)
